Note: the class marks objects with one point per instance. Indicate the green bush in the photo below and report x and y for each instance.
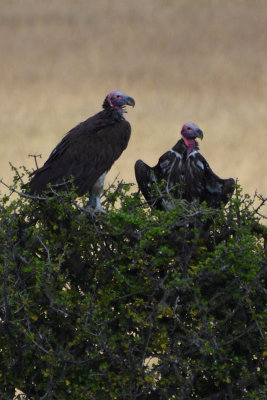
(132, 304)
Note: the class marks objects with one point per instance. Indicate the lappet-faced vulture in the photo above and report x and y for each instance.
(182, 172)
(88, 151)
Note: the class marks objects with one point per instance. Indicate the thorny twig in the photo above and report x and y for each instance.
(27, 196)
(263, 200)
(35, 156)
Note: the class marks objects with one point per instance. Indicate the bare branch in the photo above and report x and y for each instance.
(35, 156)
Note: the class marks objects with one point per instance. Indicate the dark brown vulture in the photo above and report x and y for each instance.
(182, 172)
(88, 151)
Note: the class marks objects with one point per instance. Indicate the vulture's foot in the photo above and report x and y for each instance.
(98, 210)
(95, 206)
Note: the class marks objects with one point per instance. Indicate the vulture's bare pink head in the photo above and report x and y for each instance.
(119, 100)
(190, 132)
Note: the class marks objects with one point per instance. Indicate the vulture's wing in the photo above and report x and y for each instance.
(169, 169)
(203, 184)
(145, 178)
(166, 174)
(86, 152)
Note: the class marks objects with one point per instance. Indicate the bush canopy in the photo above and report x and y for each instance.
(132, 304)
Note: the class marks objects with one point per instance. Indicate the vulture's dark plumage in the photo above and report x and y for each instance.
(182, 172)
(88, 151)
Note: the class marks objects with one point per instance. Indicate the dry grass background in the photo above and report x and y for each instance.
(203, 61)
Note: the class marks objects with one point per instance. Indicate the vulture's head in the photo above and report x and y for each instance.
(118, 100)
(190, 132)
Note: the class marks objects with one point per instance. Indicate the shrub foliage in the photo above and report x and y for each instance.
(132, 304)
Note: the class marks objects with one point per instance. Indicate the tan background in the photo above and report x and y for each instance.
(203, 61)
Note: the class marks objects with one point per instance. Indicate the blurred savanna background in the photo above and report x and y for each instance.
(203, 61)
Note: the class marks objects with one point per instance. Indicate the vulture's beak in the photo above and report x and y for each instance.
(199, 133)
(129, 101)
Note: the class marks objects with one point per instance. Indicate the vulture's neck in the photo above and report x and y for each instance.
(115, 113)
(181, 147)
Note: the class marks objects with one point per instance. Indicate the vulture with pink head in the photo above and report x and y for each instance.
(87, 152)
(182, 172)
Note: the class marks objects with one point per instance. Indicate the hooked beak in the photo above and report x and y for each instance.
(129, 101)
(199, 133)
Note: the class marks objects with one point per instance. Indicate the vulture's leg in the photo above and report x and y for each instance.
(97, 189)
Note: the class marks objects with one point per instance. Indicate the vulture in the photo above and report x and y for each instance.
(87, 152)
(182, 172)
